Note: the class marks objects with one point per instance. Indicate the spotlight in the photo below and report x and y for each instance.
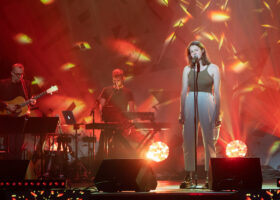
(158, 151)
(236, 148)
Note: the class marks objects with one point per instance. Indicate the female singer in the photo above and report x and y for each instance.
(201, 84)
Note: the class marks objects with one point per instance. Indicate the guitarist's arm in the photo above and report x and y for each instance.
(9, 107)
(30, 92)
(3, 105)
(32, 101)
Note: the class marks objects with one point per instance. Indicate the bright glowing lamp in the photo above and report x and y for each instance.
(158, 151)
(236, 148)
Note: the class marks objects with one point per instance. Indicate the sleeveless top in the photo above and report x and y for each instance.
(204, 81)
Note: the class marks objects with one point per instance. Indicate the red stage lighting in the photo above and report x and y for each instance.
(236, 148)
(32, 184)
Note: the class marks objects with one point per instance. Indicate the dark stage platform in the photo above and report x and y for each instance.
(166, 190)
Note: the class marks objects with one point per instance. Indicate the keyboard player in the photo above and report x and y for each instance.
(114, 101)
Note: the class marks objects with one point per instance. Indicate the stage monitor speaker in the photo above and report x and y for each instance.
(125, 175)
(13, 170)
(235, 174)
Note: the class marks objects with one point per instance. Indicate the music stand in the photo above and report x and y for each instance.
(13, 170)
(40, 126)
(70, 120)
(12, 125)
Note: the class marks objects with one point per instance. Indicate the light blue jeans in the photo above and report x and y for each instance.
(206, 113)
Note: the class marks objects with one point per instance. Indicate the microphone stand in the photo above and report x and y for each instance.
(197, 65)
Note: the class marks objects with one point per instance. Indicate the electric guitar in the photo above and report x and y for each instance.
(22, 104)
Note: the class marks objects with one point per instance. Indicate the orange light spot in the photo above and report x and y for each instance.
(275, 79)
(180, 22)
(275, 146)
(248, 89)
(129, 63)
(91, 91)
(221, 41)
(218, 16)
(265, 34)
(267, 5)
(239, 66)
(260, 82)
(148, 103)
(233, 49)
(158, 151)
(82, 45)
(47, 2)
(206, 6)
(88, 119)
(60, 195)
(128, 49)
(223, 7)
(223, 66)
(128, 78)
(22, 38)
(269, 26)
(269, 193)
(198, 29)
(186, 11)
(38, 81)
(170, 38)
(67, 66)
(198, 37)
(215, 37)
(33, 194)
(163, 2)
(268, 8)
(199, 4)
(208, 35)
(187, 3)
(236, 148)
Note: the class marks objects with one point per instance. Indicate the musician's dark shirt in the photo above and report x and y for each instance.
(10, 90)
(117, 98)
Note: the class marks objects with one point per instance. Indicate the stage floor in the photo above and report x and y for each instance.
(166, 190)
(169, 189)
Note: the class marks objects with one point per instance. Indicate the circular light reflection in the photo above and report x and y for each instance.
(236, 148)
(158, 151)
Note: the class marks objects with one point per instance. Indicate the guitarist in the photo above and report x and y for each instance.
(11, 88)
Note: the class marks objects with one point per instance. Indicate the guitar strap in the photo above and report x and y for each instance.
(24, 88)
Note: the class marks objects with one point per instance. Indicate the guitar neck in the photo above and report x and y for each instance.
(35, 97)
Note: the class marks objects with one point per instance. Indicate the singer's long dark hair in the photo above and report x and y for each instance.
(204, 58)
